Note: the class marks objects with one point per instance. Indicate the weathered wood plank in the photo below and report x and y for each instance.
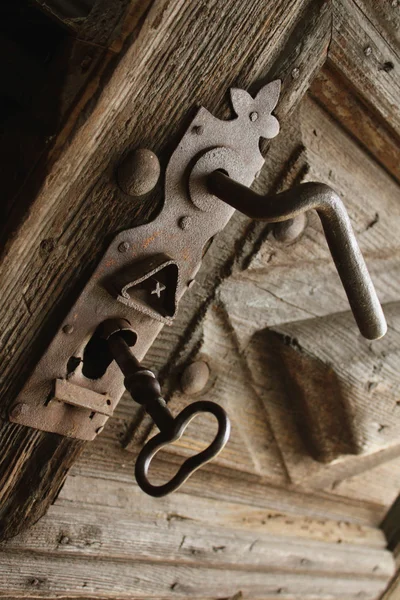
(25, 574)
(385, 17)
(110, 462)
(269, 515)
(378, 480)
(357, 118)
(374, 75)
(104, 533)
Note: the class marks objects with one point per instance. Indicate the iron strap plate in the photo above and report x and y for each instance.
(169, 249)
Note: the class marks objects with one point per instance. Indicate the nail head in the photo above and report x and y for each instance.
(185, 222)
(195, 377)
(123, 247)
(139, 172)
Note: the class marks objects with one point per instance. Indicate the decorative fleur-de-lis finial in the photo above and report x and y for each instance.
(258, 110)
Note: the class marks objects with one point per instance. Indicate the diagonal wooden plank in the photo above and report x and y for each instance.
(373, 73)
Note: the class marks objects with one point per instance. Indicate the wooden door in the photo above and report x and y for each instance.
(293, 505)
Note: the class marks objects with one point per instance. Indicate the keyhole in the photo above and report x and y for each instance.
(97, 356)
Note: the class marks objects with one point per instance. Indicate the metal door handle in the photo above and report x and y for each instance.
(339, 234)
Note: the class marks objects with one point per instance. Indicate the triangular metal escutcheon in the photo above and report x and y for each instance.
(150, 286)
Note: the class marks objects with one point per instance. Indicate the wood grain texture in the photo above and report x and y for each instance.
(357, 118)
(385, 17)
(133, 545)
(375, 75)
(49, 257)
(161, 581)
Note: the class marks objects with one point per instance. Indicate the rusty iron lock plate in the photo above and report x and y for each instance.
(145, 271)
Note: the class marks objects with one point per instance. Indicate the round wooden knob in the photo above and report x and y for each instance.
(139, 172)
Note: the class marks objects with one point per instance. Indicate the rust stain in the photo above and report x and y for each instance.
(110, 263)
(186, 254)
(150, 239)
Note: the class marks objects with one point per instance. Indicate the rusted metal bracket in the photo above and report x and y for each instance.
(145, 271)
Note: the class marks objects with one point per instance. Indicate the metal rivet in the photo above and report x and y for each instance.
(197, 129)
(290, 230)
(123, 247)
(185, 222)
(16, 410)
(295, 73)
(253, 116)
(68, 329)
(195, 377)
(139, 172)
(368, 51)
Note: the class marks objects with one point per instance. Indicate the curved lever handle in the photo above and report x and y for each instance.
(174, 433)
(339, 234)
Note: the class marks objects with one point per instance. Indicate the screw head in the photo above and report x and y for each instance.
(138, 173)
(16, 410)
(195, 377)
(123, 247)
(197, 129)
(68, 329)
(288, 231)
